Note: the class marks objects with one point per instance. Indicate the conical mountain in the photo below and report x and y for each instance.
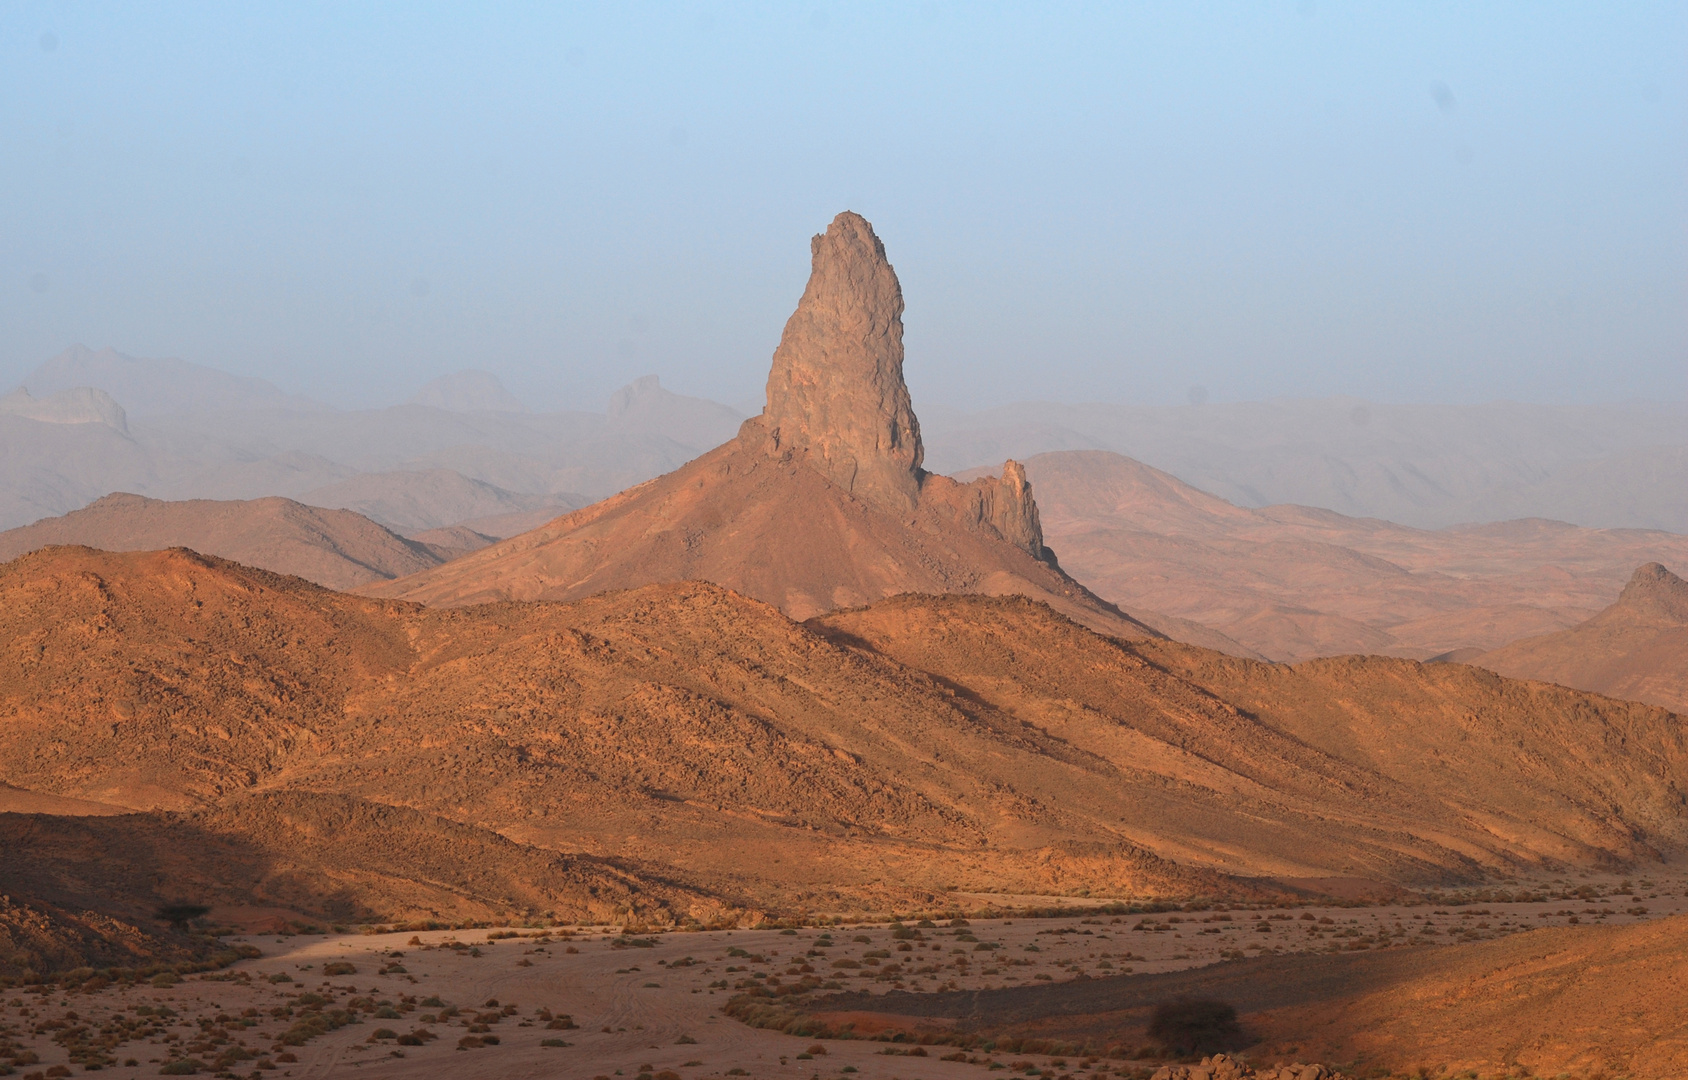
(1635, 649)
(820, 503)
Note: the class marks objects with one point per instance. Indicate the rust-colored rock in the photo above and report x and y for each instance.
(337, 548)
(869, 757)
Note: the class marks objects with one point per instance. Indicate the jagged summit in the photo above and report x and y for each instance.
(1655, 591)
(836, 388)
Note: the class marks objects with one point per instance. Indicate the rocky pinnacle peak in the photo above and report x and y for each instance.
(1654, 590)
(836, 389)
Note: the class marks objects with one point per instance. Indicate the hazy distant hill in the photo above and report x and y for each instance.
(336, 548)
(467, 391)
(1293, 582)
(201, 433)
(431, 499)
(1635, 649)
(1603, 466)
(197, 432)
(159, 387)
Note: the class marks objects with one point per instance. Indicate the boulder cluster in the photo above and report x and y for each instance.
(1225, 1067)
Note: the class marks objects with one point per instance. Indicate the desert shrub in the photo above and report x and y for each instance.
(181, 1067)
(339, 967)
(1195, 1025)
(179, 915)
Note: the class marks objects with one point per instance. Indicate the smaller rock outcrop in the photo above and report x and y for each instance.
(1002, 507)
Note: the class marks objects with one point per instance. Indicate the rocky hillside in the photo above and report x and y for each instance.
(870, 758)
(1294, 582)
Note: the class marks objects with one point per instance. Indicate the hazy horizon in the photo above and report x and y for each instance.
(1413, 205)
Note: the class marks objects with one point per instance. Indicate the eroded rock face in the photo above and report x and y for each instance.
(999, 506)
(836, 389)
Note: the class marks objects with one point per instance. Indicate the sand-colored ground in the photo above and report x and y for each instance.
(652, 1003)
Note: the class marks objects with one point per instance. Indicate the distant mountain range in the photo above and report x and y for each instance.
(86, 424)
(1429, 466)
(1292, 582)
(173, 429)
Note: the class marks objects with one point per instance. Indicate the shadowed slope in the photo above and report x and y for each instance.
(1636, 649)
(336, 548)
(316, 856)
(1598, 1000)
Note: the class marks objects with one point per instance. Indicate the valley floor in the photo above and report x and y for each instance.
(652, 1004)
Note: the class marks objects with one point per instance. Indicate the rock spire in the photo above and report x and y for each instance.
(836, 389)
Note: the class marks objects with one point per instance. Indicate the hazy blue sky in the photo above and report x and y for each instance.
(1085, 202)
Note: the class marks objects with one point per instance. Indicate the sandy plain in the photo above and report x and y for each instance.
(592, 1001)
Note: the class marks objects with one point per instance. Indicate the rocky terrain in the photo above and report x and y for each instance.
(1367, 992)
(1293, 582)
(803, 684)
(1637, 648)
(873, 757)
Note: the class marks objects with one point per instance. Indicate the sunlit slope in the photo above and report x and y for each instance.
(917, 745)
